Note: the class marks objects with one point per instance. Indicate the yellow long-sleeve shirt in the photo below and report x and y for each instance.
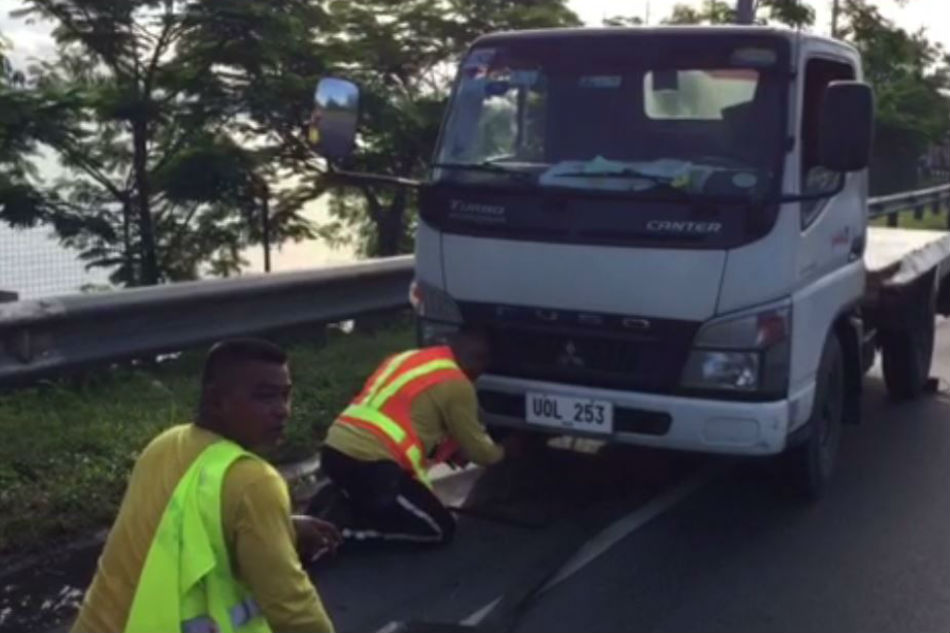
(447, 409)
(258, 532)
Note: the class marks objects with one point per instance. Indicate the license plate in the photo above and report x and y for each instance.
(564, 412)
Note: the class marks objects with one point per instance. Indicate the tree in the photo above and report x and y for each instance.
(15, 143)
(907, 72)
(268, 65)
(402, 55)
(28, 120)
(157, 169)
(793, 13)
(716, 12)
(623, 21)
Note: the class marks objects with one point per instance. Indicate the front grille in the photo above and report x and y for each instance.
(626, 420)
(650, 363)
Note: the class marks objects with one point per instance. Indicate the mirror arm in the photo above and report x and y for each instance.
(372, 179)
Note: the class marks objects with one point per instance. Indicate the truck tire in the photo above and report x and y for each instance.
(908, 352)
(809, 465)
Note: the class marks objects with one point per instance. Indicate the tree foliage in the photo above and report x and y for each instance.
(623, 21)
(908, 72)
(27, 120)
(402, 55)
(165, 171)
(793, 13)
(179, 123)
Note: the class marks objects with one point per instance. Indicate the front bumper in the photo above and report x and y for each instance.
(676, 422)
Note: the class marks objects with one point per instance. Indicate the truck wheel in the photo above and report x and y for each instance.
(811, 464)
(907, 353)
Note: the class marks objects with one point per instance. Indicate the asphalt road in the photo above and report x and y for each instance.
(732, 553)
(662, 541)
(873, 555)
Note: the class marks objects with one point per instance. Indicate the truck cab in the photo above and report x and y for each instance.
(663, 231)
(642, 221)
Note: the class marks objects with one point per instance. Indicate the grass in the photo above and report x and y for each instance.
(908, 221)
(67, 449)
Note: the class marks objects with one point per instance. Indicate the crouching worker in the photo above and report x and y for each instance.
(416, 406)
(204, 540)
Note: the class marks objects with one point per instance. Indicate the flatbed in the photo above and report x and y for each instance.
(896, 257)
(907, 284)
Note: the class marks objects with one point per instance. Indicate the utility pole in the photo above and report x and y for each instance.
(834, 18)
(745, 11)
(263, 193)
(265, 211)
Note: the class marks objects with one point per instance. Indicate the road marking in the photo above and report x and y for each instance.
(614, 533)
(481, 614)
(623, 527)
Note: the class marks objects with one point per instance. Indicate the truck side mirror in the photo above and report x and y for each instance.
(846, 126)
(332, 127)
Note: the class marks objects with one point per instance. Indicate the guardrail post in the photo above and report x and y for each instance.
(892, 218)
(919, 210)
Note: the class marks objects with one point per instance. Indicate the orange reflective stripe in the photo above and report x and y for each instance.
(379, 378)
(398, 453)
(384, 406)
(408, 456)
(399, 407)
(400, 381)
(394, 430)
(400, 439)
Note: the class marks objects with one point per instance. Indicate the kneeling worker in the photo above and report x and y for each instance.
(415, 405)
(204, 540)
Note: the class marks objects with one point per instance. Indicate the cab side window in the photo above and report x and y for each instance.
(815, 178)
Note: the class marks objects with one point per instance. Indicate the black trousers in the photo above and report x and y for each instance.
(388, 504)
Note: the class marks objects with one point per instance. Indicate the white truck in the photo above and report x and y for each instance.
(665, 233)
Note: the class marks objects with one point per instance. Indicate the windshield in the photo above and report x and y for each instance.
(672, 114)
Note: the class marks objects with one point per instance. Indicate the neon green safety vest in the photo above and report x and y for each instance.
(186, 584)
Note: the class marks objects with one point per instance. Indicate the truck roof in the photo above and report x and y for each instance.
(723, 30)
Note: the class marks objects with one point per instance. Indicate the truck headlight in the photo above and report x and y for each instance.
(722, 370)
(433, 303)
(747, 353)
(434, 332)
(438, 314)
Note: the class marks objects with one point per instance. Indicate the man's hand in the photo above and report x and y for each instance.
(314, 536)
(513, 445)
(457, 460)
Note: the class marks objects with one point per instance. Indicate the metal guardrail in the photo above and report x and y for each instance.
(935, 198)
(45, 336)
(42, 337)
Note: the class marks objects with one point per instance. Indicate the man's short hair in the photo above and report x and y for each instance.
(229, 353)
(469, 339)
(469, 334)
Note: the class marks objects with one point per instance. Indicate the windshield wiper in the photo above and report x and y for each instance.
(659, 182)
(486, 166)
